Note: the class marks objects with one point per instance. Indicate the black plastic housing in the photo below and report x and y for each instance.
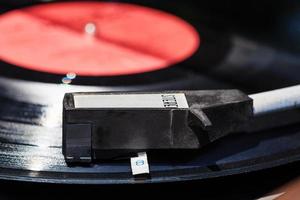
(106, 133)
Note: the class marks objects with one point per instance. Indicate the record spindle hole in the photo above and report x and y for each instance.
(90, 28)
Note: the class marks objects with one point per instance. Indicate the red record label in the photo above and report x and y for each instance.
(94, 38)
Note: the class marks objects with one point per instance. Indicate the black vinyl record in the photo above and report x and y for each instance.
(31, 107)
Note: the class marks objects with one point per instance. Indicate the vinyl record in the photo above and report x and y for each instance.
(49, 49)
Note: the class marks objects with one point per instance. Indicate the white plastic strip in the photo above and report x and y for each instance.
(174, 100)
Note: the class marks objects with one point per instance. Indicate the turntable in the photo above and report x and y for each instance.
(48, 49)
